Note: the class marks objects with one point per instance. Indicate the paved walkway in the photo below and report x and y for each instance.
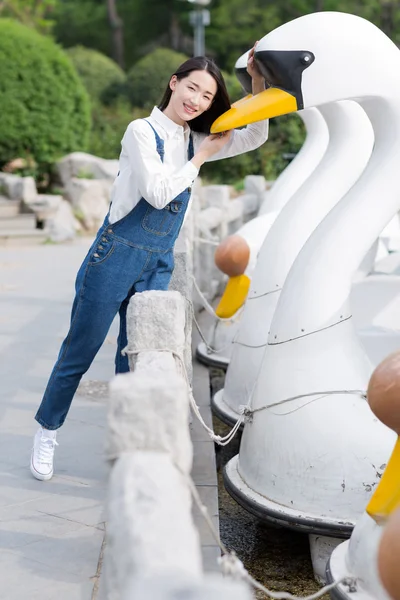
(52, 533)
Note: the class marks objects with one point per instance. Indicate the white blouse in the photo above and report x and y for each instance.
(143, 175)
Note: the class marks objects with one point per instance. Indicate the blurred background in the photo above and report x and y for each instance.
(89, 67)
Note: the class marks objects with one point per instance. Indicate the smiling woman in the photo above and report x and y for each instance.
(133, 250)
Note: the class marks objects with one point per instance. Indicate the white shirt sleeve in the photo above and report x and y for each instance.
(158, 184)
(242, 140)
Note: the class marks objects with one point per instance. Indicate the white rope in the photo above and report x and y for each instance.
(233, 567)
(207, 306)
(221, 440)
(209, 348)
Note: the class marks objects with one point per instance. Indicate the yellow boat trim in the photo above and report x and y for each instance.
(234, 296)
(387, 495)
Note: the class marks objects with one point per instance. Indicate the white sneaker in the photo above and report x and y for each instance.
(43, 454)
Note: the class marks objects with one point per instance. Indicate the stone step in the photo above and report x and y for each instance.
(21, 221)
(22, 237)
(9, 208)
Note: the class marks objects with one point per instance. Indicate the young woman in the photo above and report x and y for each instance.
(133, 250)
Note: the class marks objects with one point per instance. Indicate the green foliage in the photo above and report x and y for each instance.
(233, 86)
(149, 77)
(101, 76)
(237, 24)
(151, 24)
(108, 128)
(45, 111)
(32, 13)
(286, 136)
(83, 22)
(82, 174)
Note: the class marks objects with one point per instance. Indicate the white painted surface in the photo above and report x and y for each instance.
(350, 135)
(321, 548)
(357, 558)
(322, 451)
(307, 451)
(302, 166)
(221, 335)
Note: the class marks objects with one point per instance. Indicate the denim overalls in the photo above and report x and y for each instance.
(132, 255)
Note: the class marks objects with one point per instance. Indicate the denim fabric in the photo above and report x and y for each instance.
(132, 255)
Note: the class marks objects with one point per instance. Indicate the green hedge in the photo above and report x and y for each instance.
(45, 111)
(109, 125)
(101, 76)
(149, 77)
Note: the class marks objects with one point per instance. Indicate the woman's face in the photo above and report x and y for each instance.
(192, 95)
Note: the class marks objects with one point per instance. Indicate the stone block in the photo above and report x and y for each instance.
(149, 410)
(78, 164)
(217, 196)
(150, 527)
(156, 321)
(255, 184)
(90, 200)
(181, 282)
(62, 224)
(16, 187)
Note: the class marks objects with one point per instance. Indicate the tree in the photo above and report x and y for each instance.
(117, 32)
(33, 13)
(45, 110)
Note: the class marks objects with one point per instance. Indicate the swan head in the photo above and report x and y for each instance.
(242, 74)
(314, 60)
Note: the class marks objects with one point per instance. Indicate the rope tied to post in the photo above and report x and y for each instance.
(220, 440)
(246, 413)
(209, 309)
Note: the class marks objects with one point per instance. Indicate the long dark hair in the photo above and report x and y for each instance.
(221, 102)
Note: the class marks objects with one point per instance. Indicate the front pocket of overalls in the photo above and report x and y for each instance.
(102, 250)
(161, 222)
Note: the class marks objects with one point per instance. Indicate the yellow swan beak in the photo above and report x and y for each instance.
(265, 105)
(387, 495)
(234, 296)
(241, 101)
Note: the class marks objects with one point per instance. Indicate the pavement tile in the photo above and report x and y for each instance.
(204, 467)
(25, 579)
(77, 552)
(51, 532)
(206, 537)
(209, 496)
(23, 525)
(211, 554)
(197, 431)
(201, 384)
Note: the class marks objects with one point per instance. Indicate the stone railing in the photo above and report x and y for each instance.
(153, 548)
(215, 215)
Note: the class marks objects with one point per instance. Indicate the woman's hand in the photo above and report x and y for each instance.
(252, 67)
(214, 143)
(210, 146)
(258, 81)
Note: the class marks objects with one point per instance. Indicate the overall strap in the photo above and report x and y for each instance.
(191, 148)
(159, 141)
